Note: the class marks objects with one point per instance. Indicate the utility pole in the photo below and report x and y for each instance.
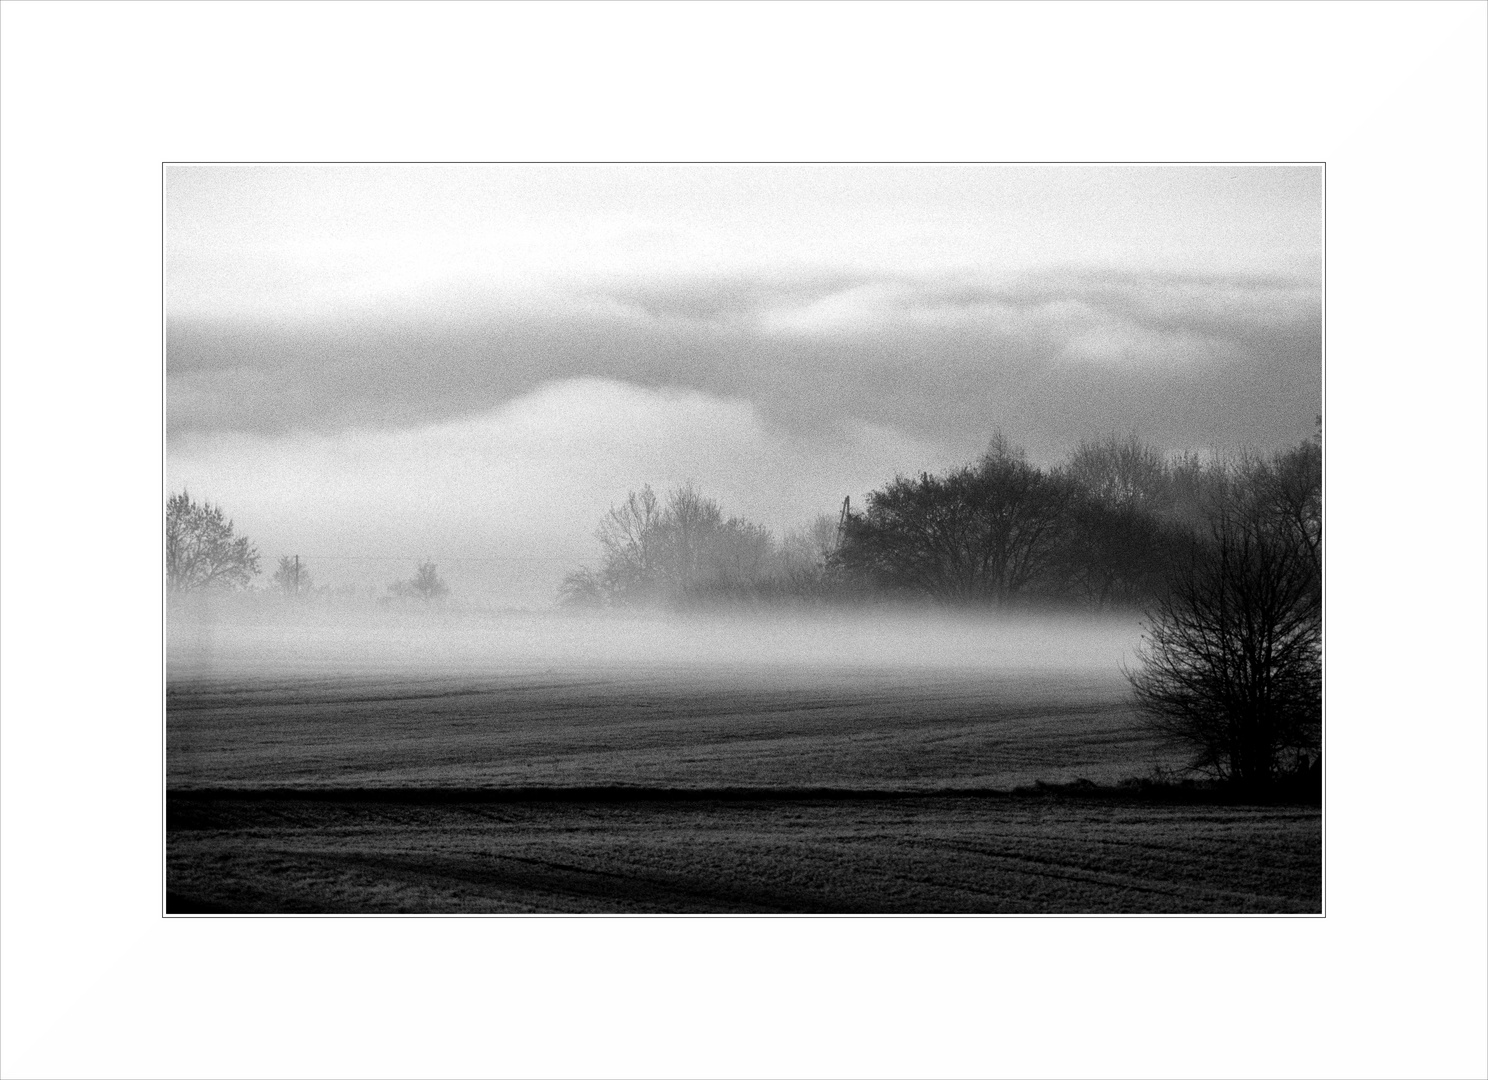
(297, 575)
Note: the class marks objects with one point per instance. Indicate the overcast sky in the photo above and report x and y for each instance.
(472, 363)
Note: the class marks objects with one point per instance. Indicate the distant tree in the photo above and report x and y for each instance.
(1196, 487)
(292, 578)
(1232, 662)
(692, 531)
(201, 549)
(631, 542)
(583, 589)
(806, 556)
(426, 584)
(1120, 472)
(685, 551)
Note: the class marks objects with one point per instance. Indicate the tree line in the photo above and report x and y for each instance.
(203, 552)
(683, 550)
(1108, 528)
(1223, 558)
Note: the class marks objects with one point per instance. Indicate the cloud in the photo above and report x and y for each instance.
(1187, 359)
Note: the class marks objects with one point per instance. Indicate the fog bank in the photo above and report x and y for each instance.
(216, 639)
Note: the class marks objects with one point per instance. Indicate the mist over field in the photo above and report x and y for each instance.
(889, 701)
(215, 637)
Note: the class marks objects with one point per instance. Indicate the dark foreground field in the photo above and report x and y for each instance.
(753, 852)
(680, 791)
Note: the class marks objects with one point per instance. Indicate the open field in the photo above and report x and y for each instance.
(418, 852)
(688, 789)
(664, 729)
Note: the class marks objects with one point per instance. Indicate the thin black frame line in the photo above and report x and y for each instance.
(164, 641)
(1323, 512)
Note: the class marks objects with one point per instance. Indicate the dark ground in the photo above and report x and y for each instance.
(675, 792)
(756, 852)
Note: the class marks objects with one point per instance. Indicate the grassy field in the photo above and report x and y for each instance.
(321, 793)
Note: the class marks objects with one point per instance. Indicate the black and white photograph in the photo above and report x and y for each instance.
(871, 538)
(732, 539)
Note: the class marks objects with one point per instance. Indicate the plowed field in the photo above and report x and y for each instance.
(683, 792)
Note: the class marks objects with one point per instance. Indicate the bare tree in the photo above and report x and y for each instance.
(292, 577)
(1289, 489)
(1232, 662)
(426, 584)
(738, 557)
(810, 548)
(1121, 472)
(201, 549)
(684, 551)
(691, 528)
(631, 541)
(584, 588)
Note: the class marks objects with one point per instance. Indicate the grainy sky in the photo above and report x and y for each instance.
(472, 363)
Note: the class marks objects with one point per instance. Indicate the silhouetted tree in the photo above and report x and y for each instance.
(1116, 555)
(981, 533)
(1232, 661)
(1289, 491)
(201, 550)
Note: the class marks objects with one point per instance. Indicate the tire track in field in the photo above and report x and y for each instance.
(647, 892)
(1054, 868)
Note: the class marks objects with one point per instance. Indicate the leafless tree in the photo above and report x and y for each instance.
(685, 551)
(584, 588)
(1289, 489)
(810, 548)
(1232, 662)
(201, 549)
(292, 577)
(1121, 472)
(691, 529)
(632, 546)
(426, 584)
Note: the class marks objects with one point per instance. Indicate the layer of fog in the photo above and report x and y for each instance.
(223, 639)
